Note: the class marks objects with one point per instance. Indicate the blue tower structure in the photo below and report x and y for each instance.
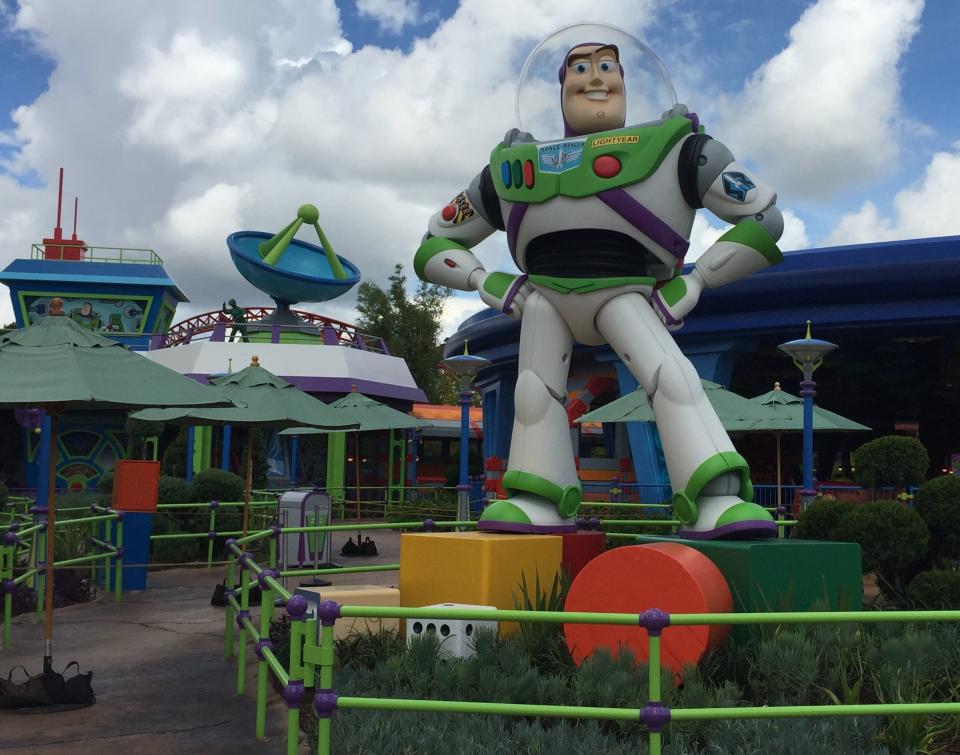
(122, 293)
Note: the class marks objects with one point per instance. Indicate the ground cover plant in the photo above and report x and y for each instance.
(786, 665)
(781, 665)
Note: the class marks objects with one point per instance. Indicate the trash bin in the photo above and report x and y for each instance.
(300, 550)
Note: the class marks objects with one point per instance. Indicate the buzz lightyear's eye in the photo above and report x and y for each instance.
(606, 66)
(580, 67)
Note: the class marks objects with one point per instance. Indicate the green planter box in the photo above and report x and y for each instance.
(783, 575)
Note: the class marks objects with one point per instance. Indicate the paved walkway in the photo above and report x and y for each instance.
(162, 683)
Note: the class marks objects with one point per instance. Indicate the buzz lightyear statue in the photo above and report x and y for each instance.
(598, 223)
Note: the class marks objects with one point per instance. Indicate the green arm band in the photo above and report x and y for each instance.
(750, 233)
(673, 291)
(497, 284)
(430, 248)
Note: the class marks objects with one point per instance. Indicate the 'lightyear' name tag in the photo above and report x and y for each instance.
(560, 157)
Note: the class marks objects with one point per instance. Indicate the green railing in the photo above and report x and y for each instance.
(311, 660)
(23, 547)
(122, 255)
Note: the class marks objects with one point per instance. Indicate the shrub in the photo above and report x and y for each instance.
(105, 483)
(138, 431)
(174, 460)
(893, 538)
(891, 461)
(938, 502)
(821, 519)
(934, 590)
(174, 490)
(217, 485)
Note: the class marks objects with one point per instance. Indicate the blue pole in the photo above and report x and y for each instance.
(464, 433)
(807, 391)
(225, 452)
(294, 458)
(43, 463)
(190, 439)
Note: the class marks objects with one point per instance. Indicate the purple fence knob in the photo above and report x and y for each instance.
(328, 612)
(581, 523)
(276, 529)
(324, 703)
(263, 576)
(211, 535)
(429, 525)
(120, 515)
(594, 523)
(654, 621)
(261, 644)
(243, 558)
(214, 505)
(120, 551)
(14, 526)
(230, 541)
(655, 715)
(10, 538)
(241, 615)
(296, 607)
(9, 587)
(293, 694)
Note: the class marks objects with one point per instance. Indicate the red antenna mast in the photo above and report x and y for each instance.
(59, 248)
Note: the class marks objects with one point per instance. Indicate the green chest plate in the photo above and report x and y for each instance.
(584, 165)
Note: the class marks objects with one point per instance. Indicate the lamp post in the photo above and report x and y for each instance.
(807, 354)
(465, 366)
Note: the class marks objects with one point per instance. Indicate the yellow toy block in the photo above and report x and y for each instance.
(355, 595)
(480, 568)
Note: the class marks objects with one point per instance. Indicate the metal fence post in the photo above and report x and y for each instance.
(655, 715)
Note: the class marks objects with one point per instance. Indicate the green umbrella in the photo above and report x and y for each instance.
(736, 413)
(263, 400)
(372, 415)
(787, 411)
(56, 365)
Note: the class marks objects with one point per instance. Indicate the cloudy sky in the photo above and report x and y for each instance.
(180, 122)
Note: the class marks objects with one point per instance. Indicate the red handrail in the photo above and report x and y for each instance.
(185, 330)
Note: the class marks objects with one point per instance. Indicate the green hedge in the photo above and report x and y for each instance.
(938, 502)
(217, 485)
(935, 590)
(893, 538)
(891, 461)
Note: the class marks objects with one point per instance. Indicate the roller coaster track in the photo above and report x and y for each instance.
(334, 331)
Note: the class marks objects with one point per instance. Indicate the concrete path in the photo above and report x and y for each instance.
(162, 683)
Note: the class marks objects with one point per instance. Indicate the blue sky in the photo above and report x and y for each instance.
(193, 115)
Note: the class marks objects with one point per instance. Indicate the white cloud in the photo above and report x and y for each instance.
(457, 309)
(705, 233)
(928, 208)
(390, 15)
(824, 113)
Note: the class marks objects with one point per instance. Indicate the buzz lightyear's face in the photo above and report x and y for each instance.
(592, 96)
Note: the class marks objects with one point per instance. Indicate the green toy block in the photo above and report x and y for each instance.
(783, 575)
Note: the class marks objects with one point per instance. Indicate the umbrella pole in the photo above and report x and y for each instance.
(249, 481)
(777, 436)
(356, 464)
(51, 543)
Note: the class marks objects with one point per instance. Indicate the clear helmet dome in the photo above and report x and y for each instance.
(649, 92)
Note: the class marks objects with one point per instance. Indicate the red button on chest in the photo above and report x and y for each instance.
(606, 166)
(448, 213)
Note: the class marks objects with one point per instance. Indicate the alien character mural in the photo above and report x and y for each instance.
(598, 223)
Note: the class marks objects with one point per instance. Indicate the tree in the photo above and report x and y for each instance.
(411, 329)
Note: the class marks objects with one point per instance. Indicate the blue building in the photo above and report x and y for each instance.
(893, 308)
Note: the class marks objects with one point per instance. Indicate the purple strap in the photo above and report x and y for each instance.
(513, 226)
(643, 220)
